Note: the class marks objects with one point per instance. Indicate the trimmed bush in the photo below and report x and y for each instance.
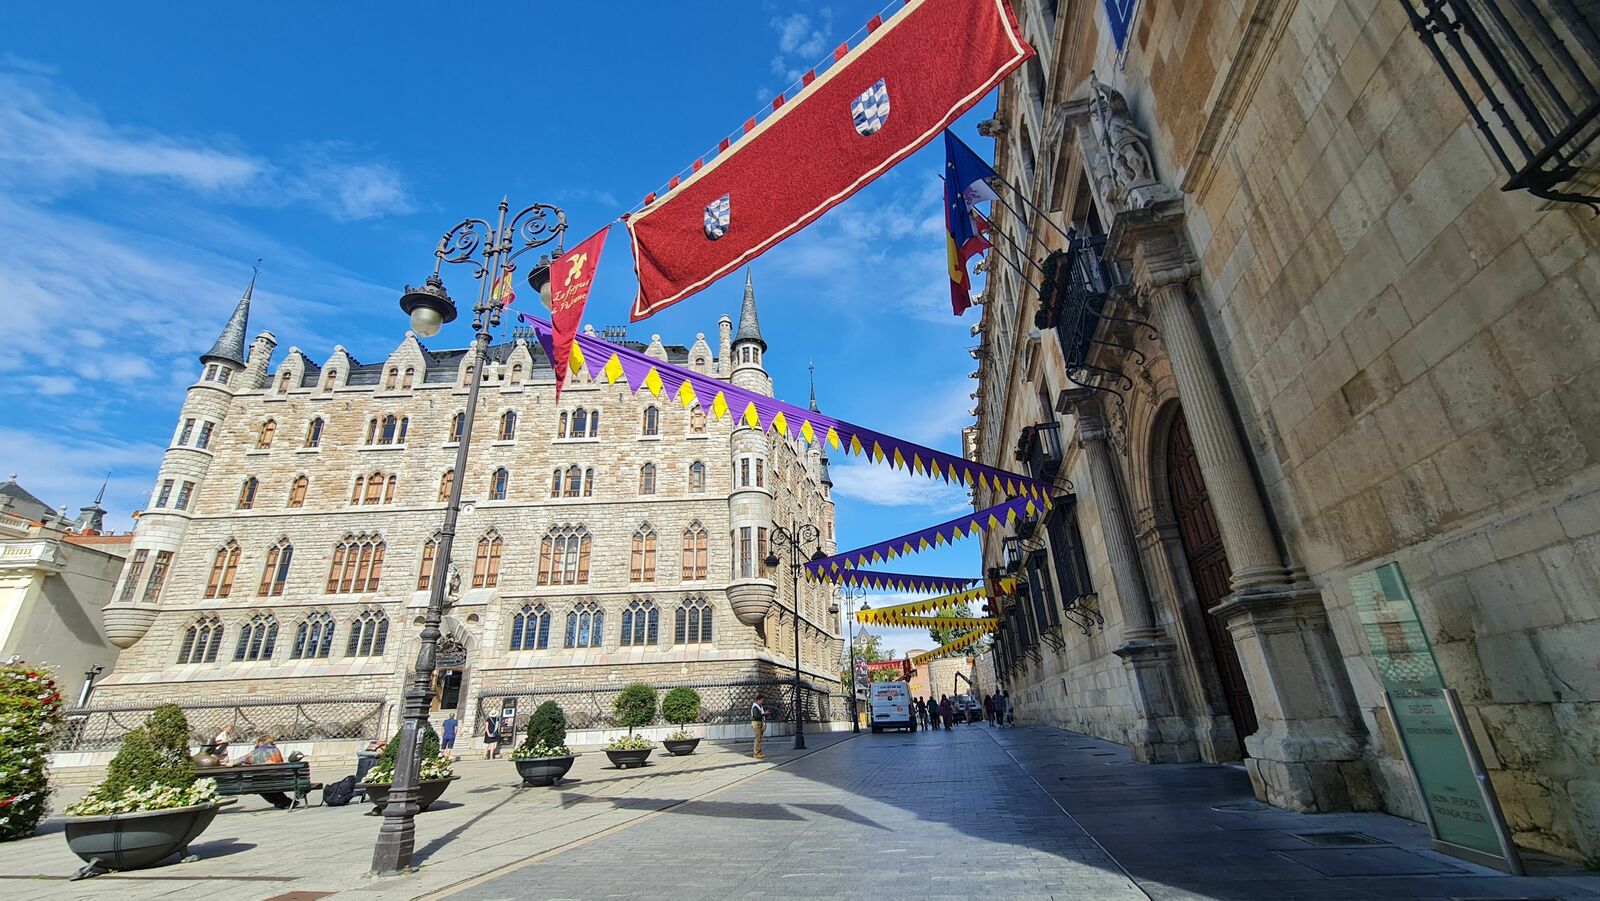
(434, 765)
(30, 712)
(635, 706)
(152, 771)
(681, 706)
(547, 734)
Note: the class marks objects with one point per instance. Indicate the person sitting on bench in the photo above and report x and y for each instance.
(266, 751)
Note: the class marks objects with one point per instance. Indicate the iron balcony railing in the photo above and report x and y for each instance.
(1529, 74)
(1039, 448)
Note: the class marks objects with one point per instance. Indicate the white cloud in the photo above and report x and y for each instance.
(801, 42)
(877, 484)
(326, 177)
(68, 471)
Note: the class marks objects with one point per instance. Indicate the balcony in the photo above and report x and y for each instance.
(1039, 449)
(1076, 292)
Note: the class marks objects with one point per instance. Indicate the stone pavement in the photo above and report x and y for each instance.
(977, 812)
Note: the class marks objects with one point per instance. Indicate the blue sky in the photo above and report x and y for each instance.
(149, 154)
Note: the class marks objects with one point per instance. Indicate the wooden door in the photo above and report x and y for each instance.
(1208, 567)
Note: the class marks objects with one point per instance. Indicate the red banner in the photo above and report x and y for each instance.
(570, 279)
(883, 99)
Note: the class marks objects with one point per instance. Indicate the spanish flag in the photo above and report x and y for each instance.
(964, 185)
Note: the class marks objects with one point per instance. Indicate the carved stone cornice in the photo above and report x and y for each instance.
(1155, 241)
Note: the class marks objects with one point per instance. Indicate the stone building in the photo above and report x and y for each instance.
(1306, 327)
(608, 538)
(56, 575)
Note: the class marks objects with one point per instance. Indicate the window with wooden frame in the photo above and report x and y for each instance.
(564, 556)
(486, 568)
(275, 574)
(357, 564)
(695, 552)
(224, 566)
(642, 566)
(297, 491)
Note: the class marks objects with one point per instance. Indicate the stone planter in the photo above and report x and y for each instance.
(538, 771)
(624, 759)
(681, 748)
(428, 791)
(133, 841)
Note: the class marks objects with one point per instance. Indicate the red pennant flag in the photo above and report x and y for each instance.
(570, 279)
(886, 97)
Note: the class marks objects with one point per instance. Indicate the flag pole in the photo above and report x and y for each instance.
(1037, 290)
(995, 230)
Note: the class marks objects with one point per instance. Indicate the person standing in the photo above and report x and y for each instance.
(491, 738)
(447, 736)
(922, 713)
(933, 713)
(947, 711)
(988, 708)
(999, 709)
(758, 724)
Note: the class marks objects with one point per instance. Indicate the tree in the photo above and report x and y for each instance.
(635, 706)
(869, 649)
(942, 637)
(681, 707)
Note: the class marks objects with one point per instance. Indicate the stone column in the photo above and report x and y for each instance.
(1160, 733)
(1306, 753)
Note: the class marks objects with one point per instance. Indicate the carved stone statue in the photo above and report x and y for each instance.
(452, 584)
(1127, 147)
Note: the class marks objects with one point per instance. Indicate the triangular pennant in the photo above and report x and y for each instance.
(612, 370)
(652, 382)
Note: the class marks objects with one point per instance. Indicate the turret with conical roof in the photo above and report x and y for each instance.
(229, 346)
(748, 346)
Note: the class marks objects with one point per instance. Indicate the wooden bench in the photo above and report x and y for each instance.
(263, 778)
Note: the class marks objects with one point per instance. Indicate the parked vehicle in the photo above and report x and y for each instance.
(967, 708)
(891, 706)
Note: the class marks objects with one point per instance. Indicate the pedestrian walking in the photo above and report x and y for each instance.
(988, 708)
(933, 713)
(491, 738)
(1000, 709)
(758, 724)
(1011, 711)
(447, 735)
(947, 711)
(922, 713)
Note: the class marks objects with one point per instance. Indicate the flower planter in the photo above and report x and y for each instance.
(428, 791)
(133, 841)
(544, 770)
(624, 759)
(681, 748)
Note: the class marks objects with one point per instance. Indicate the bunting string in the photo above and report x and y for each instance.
(602, 359)
(939, 622)
(881, 581)
(971, 524)
(960, 644)
(1008, 587)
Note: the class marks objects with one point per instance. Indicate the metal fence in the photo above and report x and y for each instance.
(101, 728)
(589, 707)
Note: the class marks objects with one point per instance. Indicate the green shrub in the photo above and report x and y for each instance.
(547, 734)
(152, 770)
(681, 706)
(635, 706)
(30, 712)
(433, 763)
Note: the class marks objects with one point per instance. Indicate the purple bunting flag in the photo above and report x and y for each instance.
(962, 526)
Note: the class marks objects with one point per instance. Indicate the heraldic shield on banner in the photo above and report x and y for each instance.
(719, 213)
(871, 110)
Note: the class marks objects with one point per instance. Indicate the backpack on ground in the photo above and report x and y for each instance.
(338, 794)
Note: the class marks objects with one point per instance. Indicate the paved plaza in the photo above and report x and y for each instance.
(975, 812)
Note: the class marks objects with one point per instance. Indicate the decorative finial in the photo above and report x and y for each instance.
(102, 495)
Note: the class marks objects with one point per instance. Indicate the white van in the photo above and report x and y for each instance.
(891, 706)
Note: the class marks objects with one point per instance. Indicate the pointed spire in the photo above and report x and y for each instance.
(230, 344)
(811, 367)
(749, 326)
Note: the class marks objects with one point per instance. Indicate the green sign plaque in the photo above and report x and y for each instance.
(1456, 794)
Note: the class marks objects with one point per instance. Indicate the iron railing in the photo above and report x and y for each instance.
(1039, 448)
(721, 703)
(309, 719)
(1528, 72)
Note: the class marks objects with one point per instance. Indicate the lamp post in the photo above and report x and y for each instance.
(490, 251)
(848, 594)
(88, 683)
(794, 538)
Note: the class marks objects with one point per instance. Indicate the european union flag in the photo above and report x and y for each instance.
(964, 185)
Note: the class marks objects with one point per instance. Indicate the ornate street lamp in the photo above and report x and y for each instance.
(848, 593)
(490, 251)
(794, 537)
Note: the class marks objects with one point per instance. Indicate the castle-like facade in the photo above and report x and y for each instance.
(608, 538)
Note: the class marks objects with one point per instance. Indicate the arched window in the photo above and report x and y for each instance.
(530, 628)
(691, 623)
(457, 423)
(408, 378)
(498, 484)
(392, 432)
(643, 566)
(201, 641)
(697, 476)
(372, 430)
(555, 483)
(639, 623)
(564, 556)
(561, 425)
(695, 543)
(652, 422)
(574, 482)
(276, 573)
(329, 379)
(647, 479)
(588, 482)
(586, 625)
(390, 377)
(313, 638)
(369, 632)
(430, 553)
(257, 638)
(357, 564)
(446, 482)
(516, 373)
(697, 421)
(486, 569)
(247, 493)
(314, 433)
(580, 424)
(297, 491)
(508, 425)
(264, 437)
(594, 423)
(283, 382)
(374, 492)
(223, 567)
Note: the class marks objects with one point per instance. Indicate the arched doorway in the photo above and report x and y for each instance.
(1208, 568)
(450, 667)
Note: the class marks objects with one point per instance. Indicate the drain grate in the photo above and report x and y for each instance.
(1337, 839)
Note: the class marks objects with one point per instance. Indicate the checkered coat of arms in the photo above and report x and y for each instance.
(871, 109)
(719, 213)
